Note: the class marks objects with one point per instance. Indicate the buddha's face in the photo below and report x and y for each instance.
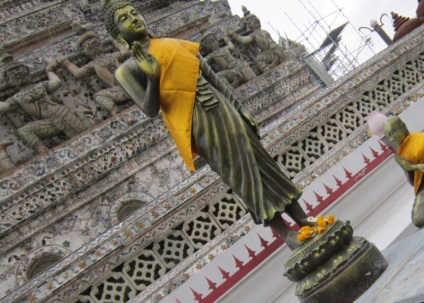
(395, 130)
(130, 23)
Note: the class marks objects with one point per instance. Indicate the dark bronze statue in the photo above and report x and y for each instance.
(410, 156)
(204, 118)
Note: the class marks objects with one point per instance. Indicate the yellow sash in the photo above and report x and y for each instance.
(178, 81)
(412, 149)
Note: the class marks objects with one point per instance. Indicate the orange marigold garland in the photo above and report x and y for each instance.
(307, 232)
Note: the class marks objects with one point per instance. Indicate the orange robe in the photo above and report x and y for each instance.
(178, 81)
(412, 149)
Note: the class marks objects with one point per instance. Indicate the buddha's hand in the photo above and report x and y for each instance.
(407, 165)
(146, 62)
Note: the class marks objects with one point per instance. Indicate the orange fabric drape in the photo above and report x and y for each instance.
(412, 149)
(179, 73)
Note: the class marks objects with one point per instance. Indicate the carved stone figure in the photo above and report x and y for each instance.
(204, 118)
(232, 70)
(85, 7)
(5, 162)
(266, 52)
(410, 156)
(52, 118)
(103, 65)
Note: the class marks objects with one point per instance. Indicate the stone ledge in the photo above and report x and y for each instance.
(402, 280)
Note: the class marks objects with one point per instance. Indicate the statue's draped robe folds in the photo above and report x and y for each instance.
(191, 106)
(412, 149)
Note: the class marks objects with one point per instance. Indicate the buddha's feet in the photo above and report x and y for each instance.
(417, 214)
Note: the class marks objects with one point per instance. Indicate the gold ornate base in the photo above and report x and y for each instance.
(351, 265)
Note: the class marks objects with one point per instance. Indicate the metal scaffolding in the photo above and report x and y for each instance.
(322, 36)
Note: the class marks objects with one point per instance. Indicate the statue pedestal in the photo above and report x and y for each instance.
(334, 267)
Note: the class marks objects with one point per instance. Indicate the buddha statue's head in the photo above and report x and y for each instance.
(124, 23)
(395, 130)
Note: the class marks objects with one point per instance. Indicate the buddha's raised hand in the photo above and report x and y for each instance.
(146, 61)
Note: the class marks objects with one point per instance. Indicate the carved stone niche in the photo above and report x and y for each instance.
(126, 205)
(39, 261)
(128, 208)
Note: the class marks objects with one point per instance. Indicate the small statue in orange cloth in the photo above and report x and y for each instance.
(410, 156)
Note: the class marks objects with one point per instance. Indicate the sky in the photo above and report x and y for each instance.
(296, 19)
